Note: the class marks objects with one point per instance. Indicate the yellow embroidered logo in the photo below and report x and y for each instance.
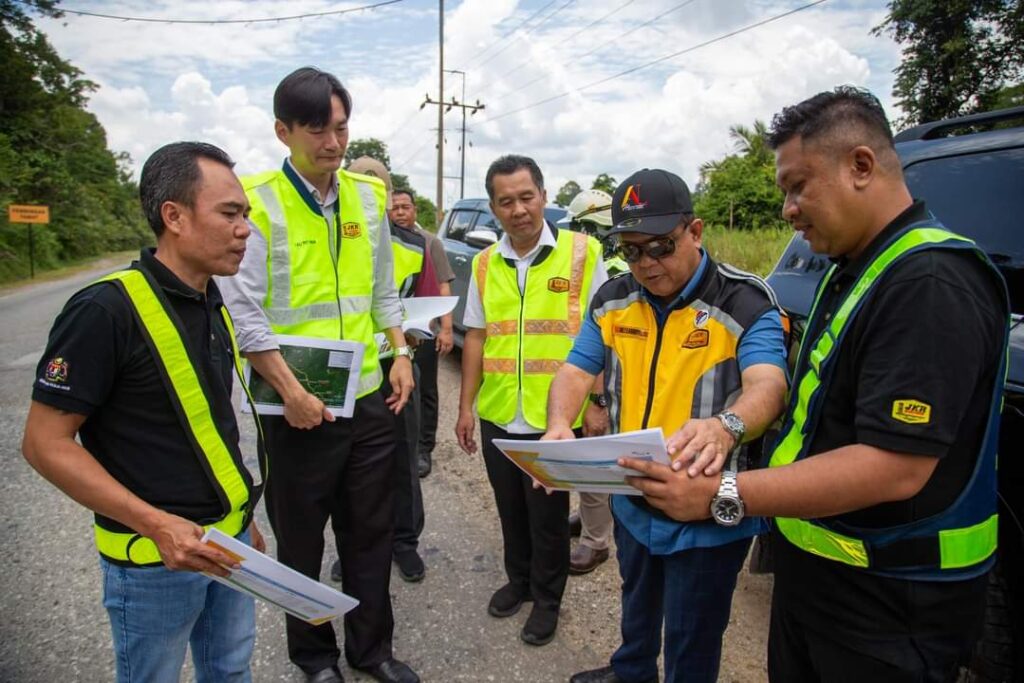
(910, 411)
(630, 331)
(351, 230)
(696, 339)
(558, 285)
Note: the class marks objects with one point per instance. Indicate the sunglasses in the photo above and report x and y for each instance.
(658, 248)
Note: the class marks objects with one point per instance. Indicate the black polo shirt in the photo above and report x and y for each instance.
(97, 363)
(931, 331)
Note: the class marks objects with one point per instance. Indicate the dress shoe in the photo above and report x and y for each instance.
(410, 566)
(541, 625)
(575, 525)
(424, 466)
(391, 671)
(585, 559)
(336, 571)
(603, 675)
(328, 675)
(507, 600)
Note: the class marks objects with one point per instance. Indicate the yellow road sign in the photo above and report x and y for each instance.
(24, 213)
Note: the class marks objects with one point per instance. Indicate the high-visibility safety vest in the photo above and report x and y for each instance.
(958, 540)
(320, 268)
(685, 366)
(407, 249)
(529, 335)
(616, 265)
(186, 390)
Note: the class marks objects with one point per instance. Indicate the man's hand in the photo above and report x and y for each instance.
(595, 420)
(256, 539)
(706, 443)
(558, 433)
(305, 411)
(402, 384)
(444, 341)
(177, 540)
(464, 428)
(675, 493)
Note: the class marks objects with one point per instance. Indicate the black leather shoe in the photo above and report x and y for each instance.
(507, 600)
(392, 671)
(410, 566)
(424, 466)
(603, 675)
(575, 525)
(336, 571)
(328, 675)
(540, 627)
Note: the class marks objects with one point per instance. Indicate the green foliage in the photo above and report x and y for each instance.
(739, 191)
(53, 152)
(567, 192)
(605, 182)
(755, 251)
(957, 54)
(368, 147)
(426, 214)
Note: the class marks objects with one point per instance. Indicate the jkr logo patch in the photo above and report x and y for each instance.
(697, 339)
(558, 285)
(57, 371)
(910, 411)
(351, 230)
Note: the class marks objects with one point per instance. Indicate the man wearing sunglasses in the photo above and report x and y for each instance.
(697, 349)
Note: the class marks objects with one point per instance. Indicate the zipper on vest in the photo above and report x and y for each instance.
(335, 255)
(522, 310)
(650, 381)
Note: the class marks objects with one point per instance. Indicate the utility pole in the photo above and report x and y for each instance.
(440, 115)
(448, 106)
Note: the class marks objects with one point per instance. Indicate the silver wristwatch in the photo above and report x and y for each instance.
(733, 424)
(404, 351)
(727, 506)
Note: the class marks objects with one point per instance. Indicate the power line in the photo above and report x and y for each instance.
(602, 46)
(528, 32)
(512, 32)
(658, 60)
(262, 20)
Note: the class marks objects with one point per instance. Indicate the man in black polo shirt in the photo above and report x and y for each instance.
(883, 478)
(140, 367)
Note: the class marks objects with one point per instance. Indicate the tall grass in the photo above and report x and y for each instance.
(755, 251)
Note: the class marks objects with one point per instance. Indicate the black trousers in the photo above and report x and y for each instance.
(534, 525)
(426, 360)
(409, 517)
(343, 471)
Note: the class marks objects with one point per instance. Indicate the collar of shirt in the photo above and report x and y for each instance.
(662, 309)
(171, 283)
(332, 191)
(852, 268)
(547, 239)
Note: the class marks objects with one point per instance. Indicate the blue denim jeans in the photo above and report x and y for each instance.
(690, 590)
(155, 613)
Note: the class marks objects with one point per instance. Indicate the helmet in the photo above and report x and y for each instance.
(592, 205)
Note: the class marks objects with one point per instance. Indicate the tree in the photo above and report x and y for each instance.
(368, 147)
(957, 54)
(426, 214)
(605, 182)
(567, 192)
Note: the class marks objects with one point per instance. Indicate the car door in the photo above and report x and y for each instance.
(460, 256)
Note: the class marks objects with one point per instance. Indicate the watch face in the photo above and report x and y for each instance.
(727, 511)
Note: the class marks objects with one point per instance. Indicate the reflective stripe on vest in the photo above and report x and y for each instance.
(529, 335)
(320, 281)
(958, 547)
(172, 355)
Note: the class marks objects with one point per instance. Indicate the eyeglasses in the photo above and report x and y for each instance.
(657, 248)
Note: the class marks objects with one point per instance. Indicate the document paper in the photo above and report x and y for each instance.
(283, 587)
(588, 464)
(327, 368)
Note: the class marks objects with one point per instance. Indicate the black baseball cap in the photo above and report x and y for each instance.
(651, 201)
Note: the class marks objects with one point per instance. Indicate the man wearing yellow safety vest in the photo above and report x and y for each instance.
(319, 264)
(697, 349)
(524, 305)
(140, 366)
(883, 480)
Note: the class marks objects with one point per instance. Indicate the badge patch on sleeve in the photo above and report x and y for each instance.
(912, 412)
(351, 230)
(558, 285)
(57, 371)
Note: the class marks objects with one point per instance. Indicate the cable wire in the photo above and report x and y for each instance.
(658, 60)
(263, 20)
(511, 32)
(528, 32)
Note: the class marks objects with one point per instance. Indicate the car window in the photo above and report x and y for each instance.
(488, 221)
(459, 225)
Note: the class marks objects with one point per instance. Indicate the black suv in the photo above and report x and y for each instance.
(970, 171)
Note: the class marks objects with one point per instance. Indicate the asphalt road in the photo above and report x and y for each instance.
(53, 626)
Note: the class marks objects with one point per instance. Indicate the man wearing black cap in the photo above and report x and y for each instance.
(695, 348)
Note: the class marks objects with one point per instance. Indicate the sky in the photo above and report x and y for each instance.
(568, 82)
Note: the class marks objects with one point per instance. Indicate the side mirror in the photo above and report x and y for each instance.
(481, 238)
